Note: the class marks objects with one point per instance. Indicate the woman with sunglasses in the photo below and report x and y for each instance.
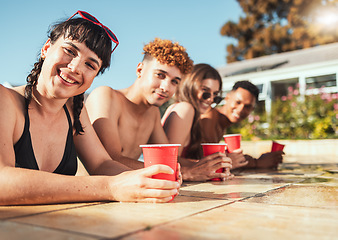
(44, 127)
(197, 91)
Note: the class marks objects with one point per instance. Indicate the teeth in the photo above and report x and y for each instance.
(66, 79)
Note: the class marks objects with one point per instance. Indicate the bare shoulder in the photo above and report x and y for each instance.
(11, 97)
(181, 112)
(184, 109)
(104, 100)
(12, 109)
(102, 93)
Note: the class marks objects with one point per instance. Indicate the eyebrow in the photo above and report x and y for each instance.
(165, 72)
(92, 59)
(203, 86)
(248, 105)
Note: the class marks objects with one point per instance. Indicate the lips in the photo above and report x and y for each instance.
(162, 95)
(236, 116)
(67, 79)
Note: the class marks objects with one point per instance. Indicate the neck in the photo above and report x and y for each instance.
(224, 121)
(45, 105)
(135, 95)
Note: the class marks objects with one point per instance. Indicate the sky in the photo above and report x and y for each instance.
(195, 24)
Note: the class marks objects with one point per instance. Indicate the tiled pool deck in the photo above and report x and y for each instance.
(298, 201)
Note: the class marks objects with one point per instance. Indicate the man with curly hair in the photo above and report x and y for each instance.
(124, 119)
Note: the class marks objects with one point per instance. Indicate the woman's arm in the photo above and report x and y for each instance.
(24, 186)
(20, 186)
(177, 125)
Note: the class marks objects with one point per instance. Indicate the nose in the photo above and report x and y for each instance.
(164, 85)
(75, 66)
(240, 108)
(210, 100)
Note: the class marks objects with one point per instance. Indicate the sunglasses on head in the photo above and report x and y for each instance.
(92, 19)
(207, 95)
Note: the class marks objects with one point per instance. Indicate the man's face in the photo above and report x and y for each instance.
(159, 81)
(239, 104)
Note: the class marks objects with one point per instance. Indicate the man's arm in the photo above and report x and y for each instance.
(104, 109)
(268, 160)
(158, 135)
(205, 168)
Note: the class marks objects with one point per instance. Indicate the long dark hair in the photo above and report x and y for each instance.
(187, 92)
(81, 30)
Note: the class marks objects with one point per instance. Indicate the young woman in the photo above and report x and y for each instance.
(197, 92)
(44, 127)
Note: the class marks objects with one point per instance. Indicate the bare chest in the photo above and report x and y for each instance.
(134, 131)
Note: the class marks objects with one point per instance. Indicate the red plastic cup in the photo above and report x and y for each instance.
(233, 141)
(210, 148)
(165, 154)
(277, 146)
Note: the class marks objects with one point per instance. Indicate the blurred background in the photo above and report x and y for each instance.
(288, 48)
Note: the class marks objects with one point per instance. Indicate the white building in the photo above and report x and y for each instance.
(309, 69)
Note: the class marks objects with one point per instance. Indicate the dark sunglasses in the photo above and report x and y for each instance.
(92, 19)
(207, 95)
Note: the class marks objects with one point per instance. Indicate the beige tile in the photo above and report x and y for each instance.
(250, 221)
(235, 189)
(116, 219)
(326, 179)
(306, 196)
(17, 211)
(16, 231)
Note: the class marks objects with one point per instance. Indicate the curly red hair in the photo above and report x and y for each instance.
(169, 53)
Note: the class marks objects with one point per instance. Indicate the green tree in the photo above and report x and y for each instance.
(275, 26)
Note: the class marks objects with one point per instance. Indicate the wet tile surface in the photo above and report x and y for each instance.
(7, 212)
(297, 201)
(306, 196)
(243, 220)
(115, 219)
(15, 231)
(235, 189)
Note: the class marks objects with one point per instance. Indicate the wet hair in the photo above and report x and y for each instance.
(187, 92)
(247, 86)
(81, 30)
(169, 53)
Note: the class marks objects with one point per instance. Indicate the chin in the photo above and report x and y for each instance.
(157, 103)
(235, 120)
(202, 111)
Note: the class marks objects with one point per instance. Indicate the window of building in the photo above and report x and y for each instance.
(281, 88)
(321, 81)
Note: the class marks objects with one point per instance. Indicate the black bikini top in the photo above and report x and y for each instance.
(24, 154)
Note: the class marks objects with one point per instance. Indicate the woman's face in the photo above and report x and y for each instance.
(205, 96)
(69, 68)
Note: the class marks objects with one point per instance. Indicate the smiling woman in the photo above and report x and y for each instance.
(181, 122)
(78, 31)
(197, 92)
(44, 128)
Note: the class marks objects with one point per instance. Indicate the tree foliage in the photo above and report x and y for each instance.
(275, 26)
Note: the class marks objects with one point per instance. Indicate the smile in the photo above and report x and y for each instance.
(235, 114)
(66, 79)
(161, 95)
